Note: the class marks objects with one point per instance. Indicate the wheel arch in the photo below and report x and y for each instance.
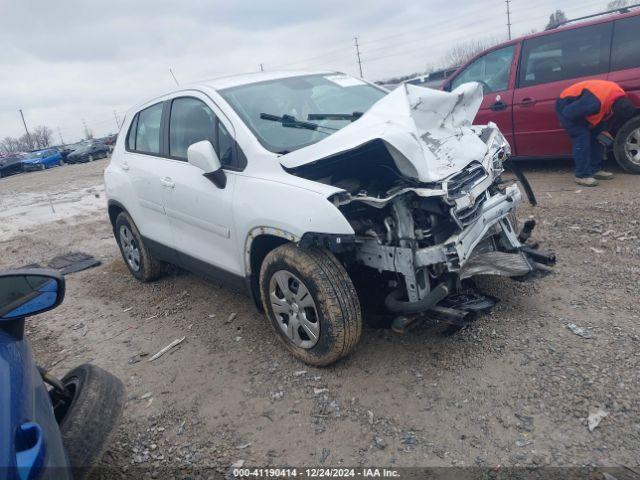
(259, 242)
(114, 208)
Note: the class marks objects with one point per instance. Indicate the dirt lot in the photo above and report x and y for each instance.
(515, 388)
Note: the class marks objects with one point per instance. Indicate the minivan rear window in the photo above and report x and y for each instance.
(626, 44)
(564, 55)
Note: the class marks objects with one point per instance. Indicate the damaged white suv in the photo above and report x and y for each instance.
(316, 192)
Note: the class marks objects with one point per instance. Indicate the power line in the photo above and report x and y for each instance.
(358, 54)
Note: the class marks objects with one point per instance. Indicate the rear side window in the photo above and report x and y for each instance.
(191, 121)
(564, 55)
(144, 134)
(491, 70)
(626, 44)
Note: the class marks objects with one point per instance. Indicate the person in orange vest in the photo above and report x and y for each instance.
(587, 110)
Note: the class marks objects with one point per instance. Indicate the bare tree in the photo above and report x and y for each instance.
(617, 4)
(556, 19)
(460, 53)
(41, 137)
(10, 145)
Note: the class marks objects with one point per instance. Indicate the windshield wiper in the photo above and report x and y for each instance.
(335, 116)
(291, 121)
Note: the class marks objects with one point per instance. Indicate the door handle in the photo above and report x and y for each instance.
(167, 182)
(30, 450)
(124, 166)
(527, 101)
(498, 106)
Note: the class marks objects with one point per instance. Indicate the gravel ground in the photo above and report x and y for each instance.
(513, 389)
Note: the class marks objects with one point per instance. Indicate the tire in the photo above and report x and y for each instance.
(42, 166)
(146, 268)
(627, 146)
(87, 422)
(90, 158)
(335, 314)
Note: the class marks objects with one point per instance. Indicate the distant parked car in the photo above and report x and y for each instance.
(10, 164)
(88, 153)
(42, 159)
(522, 79)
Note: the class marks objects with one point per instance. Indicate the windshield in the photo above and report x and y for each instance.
(36, 155)
(298, 97)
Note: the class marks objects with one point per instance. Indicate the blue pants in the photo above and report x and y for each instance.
(587, 151)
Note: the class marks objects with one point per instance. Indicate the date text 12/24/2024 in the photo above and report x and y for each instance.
(315, 473)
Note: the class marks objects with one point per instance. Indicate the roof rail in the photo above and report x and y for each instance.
(616, 10)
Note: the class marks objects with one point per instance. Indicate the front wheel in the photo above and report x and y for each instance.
(627, 146)
(88, 418)
(311, 302)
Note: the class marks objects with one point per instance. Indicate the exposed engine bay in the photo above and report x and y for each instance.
(430, 227)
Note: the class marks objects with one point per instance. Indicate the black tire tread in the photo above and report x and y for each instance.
(336, 295)
(151, 268)
(92, 416)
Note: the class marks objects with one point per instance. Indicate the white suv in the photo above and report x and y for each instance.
(315, 192)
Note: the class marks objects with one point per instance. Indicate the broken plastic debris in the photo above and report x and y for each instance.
(596, 250)
(595, 418)
(581, 332)
(231, 318)
(173, 344)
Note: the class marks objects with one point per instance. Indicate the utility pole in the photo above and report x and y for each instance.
(174, 77)
(26, 130)
(261, 68)
(358, 55)
(86, 129)
(60, 133)
(508, 2)
(115, 114)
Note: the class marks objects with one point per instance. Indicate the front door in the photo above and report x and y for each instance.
(495, 72)
(200, 213)
(549, 64)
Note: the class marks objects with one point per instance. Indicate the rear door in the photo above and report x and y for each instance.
(495, 71)
(625, 56)
(145, 167)
(549, 64)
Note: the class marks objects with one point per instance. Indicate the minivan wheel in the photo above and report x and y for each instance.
(136, 255)
(311, 302)
(627, 146)
(90, 415)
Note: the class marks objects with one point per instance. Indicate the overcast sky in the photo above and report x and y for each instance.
(69, 60)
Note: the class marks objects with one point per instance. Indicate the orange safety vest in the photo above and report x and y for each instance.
(606, 92)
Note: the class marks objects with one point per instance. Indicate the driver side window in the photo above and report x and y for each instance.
(491, 70)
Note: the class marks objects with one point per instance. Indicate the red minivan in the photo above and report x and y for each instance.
(523, 78)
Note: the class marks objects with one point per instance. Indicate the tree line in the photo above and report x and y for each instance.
(40, 137)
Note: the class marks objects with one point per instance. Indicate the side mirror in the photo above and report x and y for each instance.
(29, 292)
(203, 156)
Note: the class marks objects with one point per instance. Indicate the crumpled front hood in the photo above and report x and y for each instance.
(427, 132)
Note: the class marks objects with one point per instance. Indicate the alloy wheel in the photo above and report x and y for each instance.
(130, 248)
(294, 309)
(632, 146)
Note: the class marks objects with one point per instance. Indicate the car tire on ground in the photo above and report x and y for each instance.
(136, 255)
(627, 146)
(42, 166)
(311, 302)
(87, 421)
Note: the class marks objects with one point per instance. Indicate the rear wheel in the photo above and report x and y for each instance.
(627, 146)
(311, 302)
(136, 255)
(87, 420)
